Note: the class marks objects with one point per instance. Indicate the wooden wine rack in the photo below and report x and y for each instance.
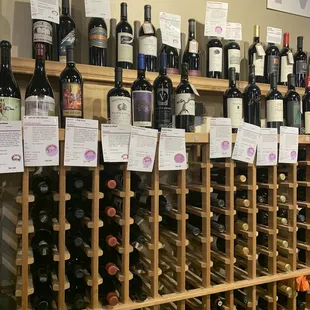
(97, 82)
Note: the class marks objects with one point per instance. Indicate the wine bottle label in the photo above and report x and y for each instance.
(125, 47)
(148, 28)
(9, 109)
(185, 104)
(234, 111)
(293, 114)
(215, 59)
(40, 106)
(273, 64)
(274, 111)
(258, 62)
(142, 108)
(234, 59)
(43, 32)
(148, 45)
(193, 46)
(163, 108)
(307, 122)
(68, 40)
(72, 100)
(286, 69)
(120, 110)
(98, 37)
(301, 67)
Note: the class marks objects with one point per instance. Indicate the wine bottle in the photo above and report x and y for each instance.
(141, 97)
(43, 34)
(300, 63)
(41, 212)
(272, 63)
(191, 54)
(292, 104)
(232, 58)
(301, 216)
(163, 97)
(124, 41)
(274, 103)
(217, 301)
(172, 224)
(42, 297)
(172, 56)
(302, 255)
(76, 294)
(41, 273)
(135, 207)
(148, 41)
(74, 239)
(282, 265)
(241, 296)
(75, 212)
(287, 59)
(109, 263)
(108, 292)
(285, 290)
(71, 90)
(185, 103)
(98, 42)
(39, 94)
(136, 291)
(119, 101)
(41, 184)
(10, 104)
(232, 102)
(251, 100)
(257, 56)
(306, 113)
(217, 199)
(262, 303)
(136, 183)
(42, 242)
(146, 202)
(218, 176)
(76, 265)
(214, 58)
(66, 31)
(75, 182)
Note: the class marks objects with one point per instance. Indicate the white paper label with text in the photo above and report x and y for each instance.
(220, 138)
(98, 8)
(170, 26)
(274, 35)
(45, 10)
(267, 149)
(216, 19)
(233, 31)
(288, 153)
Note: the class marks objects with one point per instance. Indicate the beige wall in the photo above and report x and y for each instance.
(15, 23)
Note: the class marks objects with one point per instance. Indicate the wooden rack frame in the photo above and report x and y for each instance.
(199, 144)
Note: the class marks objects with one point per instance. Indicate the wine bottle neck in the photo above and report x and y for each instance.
(65, 11)
(40, 66)
(118, 84)
(191, 35)
(5, 60)
(252, 79)
(232, 83)
(256, 39)
(141, 74)
(163, 71)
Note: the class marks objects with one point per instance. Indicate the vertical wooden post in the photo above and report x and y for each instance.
(308, 216)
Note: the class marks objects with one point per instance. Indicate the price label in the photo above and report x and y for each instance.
(45, 10)
(98, 8)
(274, 35)
(216, 19)
(170, 26)
(233, 31)
(290, 58)
(267, 150)
(193, 46)
(288, 153)
(260, 50)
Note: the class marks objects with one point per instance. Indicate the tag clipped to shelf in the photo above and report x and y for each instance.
(170, 26)
(216, 19)
(260, 50)
(288, 153)
(233, 31)
(98, 8)
(267, 149)
(81, 145)
(142, 148)
(41, 141)
(115, 142)
(172, 150)
(274, 35)
(246, 143)
(45, 10)
(220, 137)
(11, 147)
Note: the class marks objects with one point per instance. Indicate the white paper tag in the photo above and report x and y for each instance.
(246, 143)
(142, 148)
(267, 149)
(170, 26)
(193, 46)
(216, 19)
(233, 31)
(115, 142)
(98, 8)
(41, 141)
(172, 150)
(260, 50)
(81, 145)
(220, 137)
(147, 28)
(194, 89)
(11, 147)
(290, 58)
(288, 153)
(45, 10)
(274, 35)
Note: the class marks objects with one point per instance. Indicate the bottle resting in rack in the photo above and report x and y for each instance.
(39, 94)
(287, 59)
(67, 31)
(141, 90)
(10, 99)
(119, 101)
(232, 58)
(214, 58)
(124, 41)
(148, 41)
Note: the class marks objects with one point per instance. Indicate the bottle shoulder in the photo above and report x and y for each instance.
(39, 87)
(118, 92)
(9, 87)
(285, 50)
(233, 93)
(184, 88)
(272, 50)
(274, 94)
(215, 43)
(292, 95)
(232, 45)
(71, 75)
(162, 81)
(123, 26)
(97, 22)
(66, 19)
(141, 84)
(253, 88)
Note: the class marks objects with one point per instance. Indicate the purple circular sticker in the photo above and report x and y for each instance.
(251, 151)
(16, 157)
(125, 156)
(90, 155)
(293, 155)
(179, 158)
(218, 29)
(147, 161)
(272, 157)
(51, 150)
(225, 145)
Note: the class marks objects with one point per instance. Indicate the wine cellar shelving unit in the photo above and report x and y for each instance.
(185, 286)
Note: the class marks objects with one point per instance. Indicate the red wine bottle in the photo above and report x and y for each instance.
(300, 63)
(41, 273)
(75, 212)
(272, 63)
(76, 294)
(124, 41)
(306, 112)
(108, 292)
(287, 59)
(172, 59)
(148, 41)
(98, 42)
(41, 184)
(232, 58)
(75, 182)
(42, 242)
(214, 58)
(10, 104)
(76, 265)
(136, 291)
(42, 297)
(71, 90)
